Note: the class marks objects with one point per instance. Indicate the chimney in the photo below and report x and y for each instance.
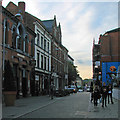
(21, 7)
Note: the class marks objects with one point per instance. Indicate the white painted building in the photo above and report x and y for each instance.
(42, 57)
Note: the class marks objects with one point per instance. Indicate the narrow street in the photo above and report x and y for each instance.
(73, 106)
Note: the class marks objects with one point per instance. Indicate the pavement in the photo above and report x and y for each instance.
(27, 105)
(111, 111)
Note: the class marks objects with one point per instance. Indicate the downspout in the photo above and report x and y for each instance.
(4, 47)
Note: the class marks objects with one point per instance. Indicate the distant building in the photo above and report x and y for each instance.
(106, 54)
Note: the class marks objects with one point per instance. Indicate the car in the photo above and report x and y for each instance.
(88, 89)
(80, 90)
(71, 89)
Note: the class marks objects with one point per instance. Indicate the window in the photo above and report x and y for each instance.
(45, 63)
(14, 37)
(26, 44)
(38, 65)
(38, 39)
(6, 32)
(19, 37)
(32, 47)
(41, 61)
(48, 47)
(48, 64)
(41, 41)
(44, 44)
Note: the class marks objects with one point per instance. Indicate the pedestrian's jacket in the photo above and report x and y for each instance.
(104, 90)
(110, 89)
(96, 93)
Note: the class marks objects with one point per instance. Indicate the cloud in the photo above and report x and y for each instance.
(81, 21)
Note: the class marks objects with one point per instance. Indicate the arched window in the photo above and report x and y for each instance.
(20, 36)
(6, 31)
(14, 36)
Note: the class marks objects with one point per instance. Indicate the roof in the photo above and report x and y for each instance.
(114, 30)
(48, 24)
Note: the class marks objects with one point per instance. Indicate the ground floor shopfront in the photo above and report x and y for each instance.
(23, 71)
(43, 81)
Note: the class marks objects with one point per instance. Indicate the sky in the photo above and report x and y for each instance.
(81, 22)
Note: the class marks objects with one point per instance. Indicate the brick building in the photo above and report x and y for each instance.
(18, 48)
(50, 55)
(107, 50)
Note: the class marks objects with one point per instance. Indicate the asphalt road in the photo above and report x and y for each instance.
(73, 106)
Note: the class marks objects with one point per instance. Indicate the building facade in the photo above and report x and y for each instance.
(50, 54)
(59, 54)
(18, 48)
(106, 54)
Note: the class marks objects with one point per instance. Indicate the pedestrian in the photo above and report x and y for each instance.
(96, 95)
(51, 90)
(37, 88)
(100, 92)
(91, 91)
(110, 93)
(104, 94)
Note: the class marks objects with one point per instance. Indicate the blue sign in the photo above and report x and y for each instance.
(109, 70)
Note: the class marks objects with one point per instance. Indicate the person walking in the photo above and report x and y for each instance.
(52, 90)
(110, 93)
(104, 94)
(96, 95)
(91, 91)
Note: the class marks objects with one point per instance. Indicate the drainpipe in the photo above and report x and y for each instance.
(4, 46)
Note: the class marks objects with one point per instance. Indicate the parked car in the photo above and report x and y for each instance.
(74, 89)
(80, 90)
(88, 89)
(71, 89)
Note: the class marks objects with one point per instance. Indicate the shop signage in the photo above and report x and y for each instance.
(22, 56)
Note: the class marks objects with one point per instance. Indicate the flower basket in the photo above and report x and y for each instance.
(9, 98)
